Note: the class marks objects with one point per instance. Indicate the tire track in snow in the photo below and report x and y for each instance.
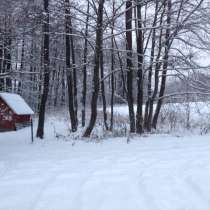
(9, 166)
(188, 190)
(39, 195)
(145, 194)
(98, 176)
(197, 191)
(187, 182)
(80, 194)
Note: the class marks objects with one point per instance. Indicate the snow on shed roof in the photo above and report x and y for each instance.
(16, 103)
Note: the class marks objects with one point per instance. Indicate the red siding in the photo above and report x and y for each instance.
(8, 118)
(22, 118)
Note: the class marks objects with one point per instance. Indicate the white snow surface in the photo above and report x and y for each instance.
(16, 103)
(157, 172)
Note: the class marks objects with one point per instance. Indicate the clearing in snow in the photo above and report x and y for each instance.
(159, 172)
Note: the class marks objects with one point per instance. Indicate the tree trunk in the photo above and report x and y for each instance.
(122, 76)
(63, 88)
(165, 66)
(147, 123)
(8, 68)
(1, 67)
(74, 69)
(40, 129)
(68, 68)
(22, 64)
(140, 52)
(53, 77)
(57, 86)
(128, 19)
(158, 64)
(98, 48)
(84, 89)
(103, 94)
(112, 68)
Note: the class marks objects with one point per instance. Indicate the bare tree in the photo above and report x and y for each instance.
(40, 129)
(140, 55)
(165, 65)
(128, 19)
(98, 48)
(84, 89)
(68, 68)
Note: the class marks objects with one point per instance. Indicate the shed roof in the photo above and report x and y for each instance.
(16, 103)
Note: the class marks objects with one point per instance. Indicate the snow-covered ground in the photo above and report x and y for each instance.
(157, 172)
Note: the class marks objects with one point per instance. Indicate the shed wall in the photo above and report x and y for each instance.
(6, 117)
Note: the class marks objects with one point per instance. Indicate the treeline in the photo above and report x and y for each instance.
(100, 52)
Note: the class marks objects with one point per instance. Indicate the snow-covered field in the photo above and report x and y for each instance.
(175, 117)
(159, 172)
(196, 108)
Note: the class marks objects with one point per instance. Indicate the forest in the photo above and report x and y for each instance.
(90, 57)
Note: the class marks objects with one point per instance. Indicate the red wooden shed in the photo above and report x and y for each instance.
(15, 113)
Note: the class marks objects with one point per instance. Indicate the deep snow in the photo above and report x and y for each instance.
(159, 172)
